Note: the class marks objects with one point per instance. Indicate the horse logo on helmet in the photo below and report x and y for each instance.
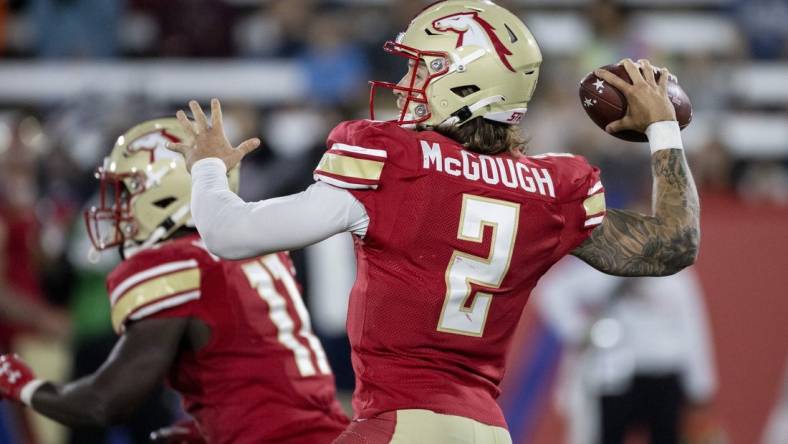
(473, 30)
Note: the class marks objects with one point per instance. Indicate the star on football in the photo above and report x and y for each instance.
(599, 85)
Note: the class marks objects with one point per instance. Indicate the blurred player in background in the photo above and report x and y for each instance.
(637, 351)
(234, 338)
(776, 431)
(24, 309)
(453, 224)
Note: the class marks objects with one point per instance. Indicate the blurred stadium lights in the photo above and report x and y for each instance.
(333, 2)
(676, 3)
(165, 80)
(537, 3)
(568, 31)
(642, 3)
(688, 32)
(761, 84)
(755, 135)
(551, 3)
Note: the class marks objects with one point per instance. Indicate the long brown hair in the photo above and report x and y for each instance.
(486, 136)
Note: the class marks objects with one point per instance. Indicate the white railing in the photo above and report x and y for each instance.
(166, 80)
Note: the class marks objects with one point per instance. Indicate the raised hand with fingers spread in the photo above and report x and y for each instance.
(208, 138)
(647, 98)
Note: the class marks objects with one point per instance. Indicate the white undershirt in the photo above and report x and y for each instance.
(234, 229)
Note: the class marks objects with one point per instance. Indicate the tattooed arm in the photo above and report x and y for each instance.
(632, 244)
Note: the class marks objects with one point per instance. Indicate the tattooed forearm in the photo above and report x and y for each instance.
(632, 244)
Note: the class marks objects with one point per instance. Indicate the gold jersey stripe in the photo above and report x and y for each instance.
(152, 291)
(350, 166)
(594, 204)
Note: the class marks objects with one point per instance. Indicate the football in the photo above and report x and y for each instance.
(604, 103)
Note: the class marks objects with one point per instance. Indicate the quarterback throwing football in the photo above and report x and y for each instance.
(234, 338)
(453, 224)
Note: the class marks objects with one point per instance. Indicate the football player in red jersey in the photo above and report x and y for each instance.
(233, 337)
(453, 224)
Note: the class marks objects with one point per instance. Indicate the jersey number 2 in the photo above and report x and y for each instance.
(458, 316)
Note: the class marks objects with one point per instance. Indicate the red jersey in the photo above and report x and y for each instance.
(19, 233)
(263, 377)
(455, 243)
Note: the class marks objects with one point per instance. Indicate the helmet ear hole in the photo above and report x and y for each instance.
(164, 203)
(465, 90)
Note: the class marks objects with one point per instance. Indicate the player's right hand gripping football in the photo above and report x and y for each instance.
(647, 98)
(208, 137)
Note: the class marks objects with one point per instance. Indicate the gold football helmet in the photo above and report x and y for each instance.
(144, 188)
(482, 61)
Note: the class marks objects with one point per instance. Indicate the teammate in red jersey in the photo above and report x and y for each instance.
(453, 223)
(234, 338)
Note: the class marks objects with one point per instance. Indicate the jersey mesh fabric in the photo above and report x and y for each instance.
(401, 359)
(244, 386)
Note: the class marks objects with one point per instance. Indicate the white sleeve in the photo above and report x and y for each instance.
(234, 229)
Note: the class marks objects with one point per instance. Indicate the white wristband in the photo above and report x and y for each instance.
(26, 394)
(664, 135)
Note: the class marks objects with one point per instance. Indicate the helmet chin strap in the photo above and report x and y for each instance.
(462, 64)
(465, 113)
(458, 65)
(94, 256)
(131, 248)
(154, 177)
(157, 234)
